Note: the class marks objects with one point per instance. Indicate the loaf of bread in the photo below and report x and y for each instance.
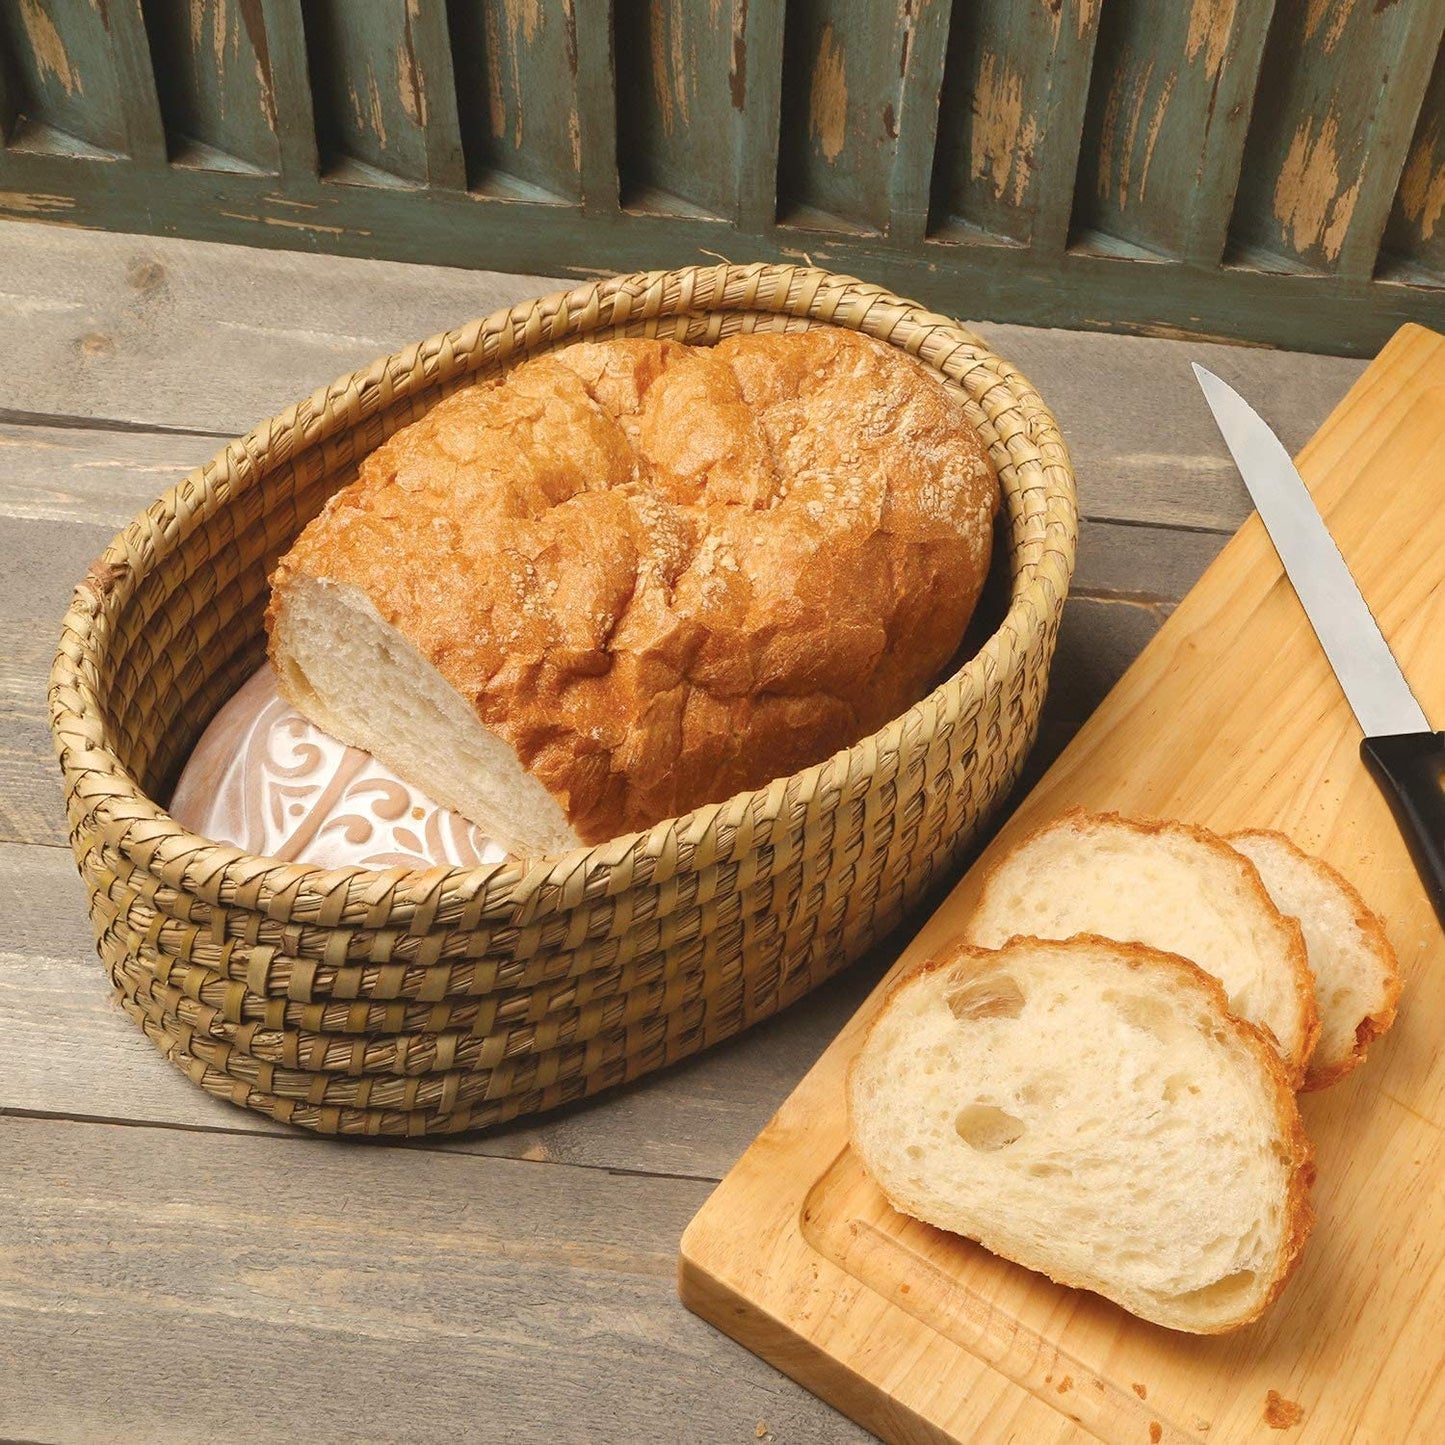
(635, 576)
(1170, 886)
(1092, 1110)
(1356, 976)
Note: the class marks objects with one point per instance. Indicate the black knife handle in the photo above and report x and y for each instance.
(1410, 770)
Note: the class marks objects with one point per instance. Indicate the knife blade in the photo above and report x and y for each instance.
(1405, 757)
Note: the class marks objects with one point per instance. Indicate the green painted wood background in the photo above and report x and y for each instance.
(1264, 170)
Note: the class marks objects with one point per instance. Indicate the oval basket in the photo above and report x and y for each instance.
(369, 1001)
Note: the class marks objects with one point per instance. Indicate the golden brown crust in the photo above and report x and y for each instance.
(1307, 1009)
(1321, 1074)
(1298, 1153)
(667, 573)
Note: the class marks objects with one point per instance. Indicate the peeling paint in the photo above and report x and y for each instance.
(378, 120)
(1119, 129)
(738, 69)
(658, 47)
(569, 36)
(1336, 12)
(684, 67)
(1308, 202)
(1086, 16)
(49, 48)
(35, 203)
(218, 41)
(408, 75)
(1422, 187)
(1108, 129)
(1156, 124)
(1343, 209)
(828, 98)
(314, 226)
(496, 100)
(524, 18)
(255, 24)
(1001, 142)
(1126, 161)
(1210, 24)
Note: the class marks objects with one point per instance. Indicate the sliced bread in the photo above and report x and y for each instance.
(1093, 1111)
(1357, 979)
(1171, 886)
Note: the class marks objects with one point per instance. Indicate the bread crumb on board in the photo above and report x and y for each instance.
(1279, 1413)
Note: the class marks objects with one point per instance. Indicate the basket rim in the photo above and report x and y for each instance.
(144, 833)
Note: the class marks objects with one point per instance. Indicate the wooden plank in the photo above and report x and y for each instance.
(127, 304)
(1231, 718)
(98, 479)
(1329, 135)
(1085, 291)
(1414, 245)
(289, 1288)
(1015, 88)
(843, 73)
(212, 69)
(1164, 136)
(110, 325)
(678, 120)
(516, 86)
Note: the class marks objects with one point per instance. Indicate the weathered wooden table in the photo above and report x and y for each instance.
(518, 1285)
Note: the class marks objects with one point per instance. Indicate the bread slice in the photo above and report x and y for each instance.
(1357, 978)
(1093, 1111)
(1171, 886)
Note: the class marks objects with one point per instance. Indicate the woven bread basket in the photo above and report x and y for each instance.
(386, 1001)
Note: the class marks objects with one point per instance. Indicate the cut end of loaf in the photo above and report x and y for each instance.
(1090, 1110)
(325, 635)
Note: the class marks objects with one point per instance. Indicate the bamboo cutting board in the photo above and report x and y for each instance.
(1231, 718)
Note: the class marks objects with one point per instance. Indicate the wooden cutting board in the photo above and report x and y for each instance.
(1231, 718)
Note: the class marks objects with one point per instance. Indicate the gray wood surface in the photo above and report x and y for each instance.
(173, 1268)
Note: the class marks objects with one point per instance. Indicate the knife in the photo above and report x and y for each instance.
(1404, 755)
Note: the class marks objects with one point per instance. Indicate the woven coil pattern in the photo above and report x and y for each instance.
(370, 1001)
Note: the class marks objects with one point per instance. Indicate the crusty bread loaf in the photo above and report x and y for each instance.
(1173, 887)
(1357, 978)
(637, 576)
(1091, 1110)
